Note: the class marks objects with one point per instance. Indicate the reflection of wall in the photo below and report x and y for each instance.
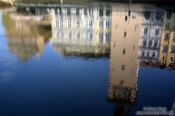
(167, 48)
(24, 38)
(81, 30)
(125, 36)
(150, 35)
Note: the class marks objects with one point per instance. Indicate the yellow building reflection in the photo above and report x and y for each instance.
(25, 37)
(167, 48)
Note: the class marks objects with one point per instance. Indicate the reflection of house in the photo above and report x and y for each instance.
(125, 36)
(25, 38)
(81, 30)
(150, 35)
(167, 51)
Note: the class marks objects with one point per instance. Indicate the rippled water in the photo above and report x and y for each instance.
(94, 60)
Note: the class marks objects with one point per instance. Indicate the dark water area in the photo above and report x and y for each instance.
(87, 60)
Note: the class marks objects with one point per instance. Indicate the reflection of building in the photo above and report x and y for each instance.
(124, 63)
(81, 30)
(150, 36)
(167, 51)
(24, 37)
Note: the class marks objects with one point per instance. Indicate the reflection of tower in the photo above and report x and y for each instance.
(125, 36)
(167, 48)
(81, 30)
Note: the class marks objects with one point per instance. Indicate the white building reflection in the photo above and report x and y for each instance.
(81, 30)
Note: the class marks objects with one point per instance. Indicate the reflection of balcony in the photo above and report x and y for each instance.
(149, 48)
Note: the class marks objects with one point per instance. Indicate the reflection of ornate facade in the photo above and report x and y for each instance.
(150, 36)
(124, 63)
(167, 51)
(81, 30)
(24, 38)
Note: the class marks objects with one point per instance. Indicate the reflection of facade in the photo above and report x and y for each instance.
(124, 63)
(167, 51)
(25, 38)
(81, 30)
(150, 36)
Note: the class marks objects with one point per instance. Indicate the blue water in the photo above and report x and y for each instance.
(55, 85)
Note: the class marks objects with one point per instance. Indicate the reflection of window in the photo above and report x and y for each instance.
(125, 34)
(101, 23)
(143, 53)
(77, 11)
(129, 13)
(78, 36)
(90, 35)
(70, 35)
(123, 67)
(173, 49)
(85, 11)
(145, 30)
(158, 15)
(101, 37)
(78, 23)
(124, 51)
(172, 59)
(153, 54)
(101, 12)
(155, 44)
(68, 11)
(107, 24)
(165, 49)
(69, 23)
(108, 12)
(166, 36)
(147, 15)
(90, 23)
(147, 54)
(107, 37)
(157, 32)
(169, 14)
(167, 25)
(163, 58)
(144, 43)
(126, 18)
(150, 43)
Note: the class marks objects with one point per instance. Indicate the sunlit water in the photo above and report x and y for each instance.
(93, 61)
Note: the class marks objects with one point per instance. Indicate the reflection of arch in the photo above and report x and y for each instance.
(147, 14)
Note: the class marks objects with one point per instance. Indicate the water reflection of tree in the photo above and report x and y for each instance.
(25, 38)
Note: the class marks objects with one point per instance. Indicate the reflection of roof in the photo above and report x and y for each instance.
(82, 50)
